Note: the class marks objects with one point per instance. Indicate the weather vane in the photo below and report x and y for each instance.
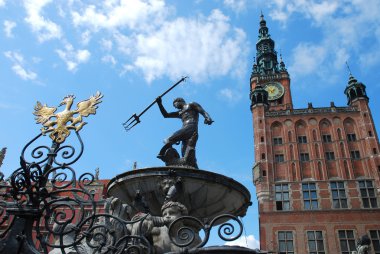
(57, 123)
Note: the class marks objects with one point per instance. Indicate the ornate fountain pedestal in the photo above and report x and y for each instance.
(210, 199)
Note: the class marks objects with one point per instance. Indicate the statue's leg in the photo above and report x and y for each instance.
(163, 150)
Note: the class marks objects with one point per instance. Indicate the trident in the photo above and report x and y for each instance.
(135, 119)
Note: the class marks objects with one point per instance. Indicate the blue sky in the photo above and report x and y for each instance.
(132, 50)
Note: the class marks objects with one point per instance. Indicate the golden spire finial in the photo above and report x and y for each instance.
(57, 125)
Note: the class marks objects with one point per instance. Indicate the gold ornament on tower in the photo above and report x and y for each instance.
(57, 123)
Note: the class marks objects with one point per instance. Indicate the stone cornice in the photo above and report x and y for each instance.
(310, 111)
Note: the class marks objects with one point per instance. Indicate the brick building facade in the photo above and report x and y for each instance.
(317, 169)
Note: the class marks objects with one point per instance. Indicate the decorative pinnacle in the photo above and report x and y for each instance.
(348, 67)
(2, 155)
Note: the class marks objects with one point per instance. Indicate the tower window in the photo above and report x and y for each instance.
(263, 156)
(330, 156)
(351, 137)
(375, 238)
(310, 199)
(277, 141)
(315, 242)
(370, 133)
(338, 195)
(302, 139)
(367, 192)
(304, 157)
(374, 151)
(285, 242)
(262, 139)
(326, 138)
(355, 155)
(347, 241)
(282, 197)
(279, 158)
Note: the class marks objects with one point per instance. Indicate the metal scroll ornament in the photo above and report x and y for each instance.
(57, 123)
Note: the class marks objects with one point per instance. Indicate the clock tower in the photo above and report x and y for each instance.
(268, 73)
(317, 169)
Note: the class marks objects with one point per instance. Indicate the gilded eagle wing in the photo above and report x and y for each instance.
(89, 106)
(43, 112)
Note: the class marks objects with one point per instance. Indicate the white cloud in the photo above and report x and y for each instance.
(73, 57)
(213, 49)
(249, 242)
(348, 28)
(86, 37)
(123, 13)
(315, 10)
(109, 59)
(236, 5)
(230, 95)
(2, 3)
(43, 27)
(23, 73)
(307, 58)
(8, 27)
(106, 44)
(18, 66)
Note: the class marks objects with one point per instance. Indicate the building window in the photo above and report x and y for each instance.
(315, 242)
(338, 195)
(304, 157)
(370, 133)
(326, 138)
(355, 155)
(279, 158)
(310, 199)
(347, 241)
(351, 137)
(262, 139)
(302, 139)
(282, 197)
(374, 151)
(285, 242)
(263, 156)
(375, 238)
(277, 141)
(367, 192)
(330, 156)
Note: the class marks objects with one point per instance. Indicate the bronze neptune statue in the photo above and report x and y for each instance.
(187, 135)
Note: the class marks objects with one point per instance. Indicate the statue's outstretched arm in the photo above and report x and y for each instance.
(163, 110)
(207, 117)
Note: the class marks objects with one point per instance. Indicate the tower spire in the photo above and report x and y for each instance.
(354, 89)
(266, 56)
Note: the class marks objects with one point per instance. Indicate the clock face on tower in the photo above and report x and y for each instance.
(275, 90)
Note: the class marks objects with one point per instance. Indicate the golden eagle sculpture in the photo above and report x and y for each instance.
(59, 124)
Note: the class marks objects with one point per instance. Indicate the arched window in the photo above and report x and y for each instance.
(339, 134)
(290, 136)
(314, 135)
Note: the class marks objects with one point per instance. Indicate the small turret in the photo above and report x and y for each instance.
(355, 90)
(259, 96)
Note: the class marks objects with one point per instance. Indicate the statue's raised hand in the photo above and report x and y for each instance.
(208, 121)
